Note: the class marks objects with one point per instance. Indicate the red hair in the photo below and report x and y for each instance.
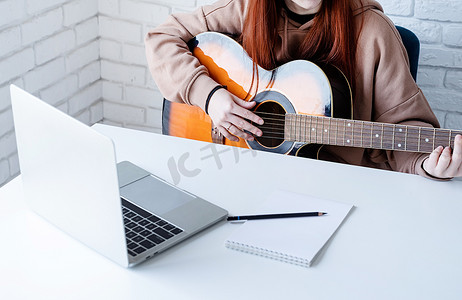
(331, 39)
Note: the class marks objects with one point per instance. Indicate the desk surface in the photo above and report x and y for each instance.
(401, 241)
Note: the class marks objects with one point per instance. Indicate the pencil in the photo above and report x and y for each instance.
(276, 216)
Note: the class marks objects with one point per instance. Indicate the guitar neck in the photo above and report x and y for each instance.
(363, 134)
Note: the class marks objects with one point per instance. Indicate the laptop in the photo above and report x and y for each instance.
(71, 178)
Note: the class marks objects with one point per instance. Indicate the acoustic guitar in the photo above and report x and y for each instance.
(304, 106)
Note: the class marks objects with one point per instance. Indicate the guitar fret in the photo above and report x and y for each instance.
(372, 127)
(292, 133)
(295, 128)
(393, 140)
(405, 139)
(302, 133)
(376, 136)
(350, 124)
(413, 134)
(388, 137)
(357, 133)
(362, 129)
(366, 135)
(292, 126)
(330, 128)
(326, 129)
(296, 131)
(299, 119)
(427, 141)
(311, 122)
(313, 129)
(336, 132)
(349, 137)
(307, 128)
(441, 138)
(318, 131)
(321, 130)
(344, 130)
(294, 120)
(400, 136)
(420, 136)
(381, 138)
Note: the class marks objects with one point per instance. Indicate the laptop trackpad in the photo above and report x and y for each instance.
(155, 195)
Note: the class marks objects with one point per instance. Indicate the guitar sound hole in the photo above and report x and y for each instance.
(273, 115)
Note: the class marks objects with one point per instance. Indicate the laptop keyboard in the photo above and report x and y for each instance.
(144, 230)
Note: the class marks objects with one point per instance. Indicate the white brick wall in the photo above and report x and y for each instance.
(51, 49)
(438, 24)
(75, 53)
(130, 96)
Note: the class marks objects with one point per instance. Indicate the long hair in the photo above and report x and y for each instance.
(330, 40)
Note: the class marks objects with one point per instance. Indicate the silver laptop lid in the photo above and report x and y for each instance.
(69, 175)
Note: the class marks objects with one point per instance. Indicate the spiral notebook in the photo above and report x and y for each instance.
(292, 240)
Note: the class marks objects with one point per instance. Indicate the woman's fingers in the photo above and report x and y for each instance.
(431, 162)
(231, 115)
(240, 117)
(456, 160)
(239, 133)
(241, 124)
(443, 162)
(242, 110)
(227, 134)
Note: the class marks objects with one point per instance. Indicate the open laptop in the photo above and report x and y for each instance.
(70, 177)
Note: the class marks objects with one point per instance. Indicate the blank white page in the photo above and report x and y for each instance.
(294, 240)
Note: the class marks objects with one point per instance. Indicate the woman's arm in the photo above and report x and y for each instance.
(397, 99)
(178, 74)
(181, 77)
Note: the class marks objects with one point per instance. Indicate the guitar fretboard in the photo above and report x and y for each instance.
(363, 134)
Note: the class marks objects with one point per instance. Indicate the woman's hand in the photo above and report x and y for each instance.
(231, 116)
(442, 163)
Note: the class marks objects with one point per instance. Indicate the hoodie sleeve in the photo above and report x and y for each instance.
(178, 74)
(397, 98)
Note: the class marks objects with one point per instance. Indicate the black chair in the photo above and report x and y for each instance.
(412, 44)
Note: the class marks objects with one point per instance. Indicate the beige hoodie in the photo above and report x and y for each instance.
(385, 89)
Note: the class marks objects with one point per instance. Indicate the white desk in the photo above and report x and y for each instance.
(402, 241)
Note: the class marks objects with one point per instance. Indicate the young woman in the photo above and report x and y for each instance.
(353, 35)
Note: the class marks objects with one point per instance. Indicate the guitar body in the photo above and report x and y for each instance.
(298, 87)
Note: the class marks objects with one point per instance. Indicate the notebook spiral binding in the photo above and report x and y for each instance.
(268, 254)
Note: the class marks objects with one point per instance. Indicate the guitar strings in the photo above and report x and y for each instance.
(273, 128)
